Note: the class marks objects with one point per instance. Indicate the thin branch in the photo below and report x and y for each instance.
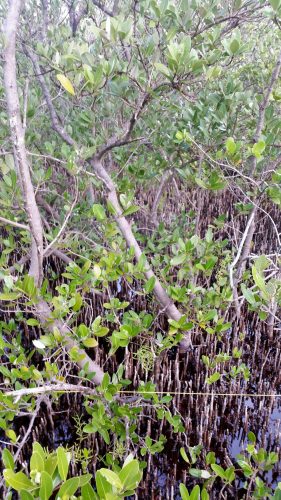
(165, 177)
(103, 8)
(62, 388)
(29, 429)
(53, 114)
(115, 142)
(262, 109)
(244, 239)
(34, 391)
(57, 237)
(14, 223)
(25, 100)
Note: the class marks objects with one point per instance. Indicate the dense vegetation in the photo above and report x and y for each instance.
(140, 176)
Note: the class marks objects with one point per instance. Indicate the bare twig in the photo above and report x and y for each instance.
(14, 223)
(262, 109)
(103, 8)
(29, 429)
(57, 237)
(164, 179)
(53, 114)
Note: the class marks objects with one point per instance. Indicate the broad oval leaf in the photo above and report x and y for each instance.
(25, 495)
(66, 84)
(62, 463)
(103, 486)
(8, 459)
(112, 478)
(9, 296)
(88, 493)
(184, 455)
(36, 462)
(200, 473)
(18, 481)
(130, 475)
(184, 492)
(71, 485)
(46, 486)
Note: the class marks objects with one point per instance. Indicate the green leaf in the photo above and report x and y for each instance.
(46, 486)
(66, 84)
(179, 259)
(51, 464)
(184, 455)
(25, 495)
(230, 146)
(88, 493)
(71, 485)
(184, 492)
(163, 69)
(213, 378)
(248, 294)
(234, 46)
(97, 271)
(258, 149)
(98, 212)
(62, 463)
(91, 342)
(8, 459)
(219, 471)
(112, 478)
(275, 4)
(111, 207)
(210, 458)
(78, 302)
(32, 322)
(200, 473)
(105, 381)
(130, 475)
(149, 285)
(262, 263)
(131, 210)
(9, 296)
(204, 494)
(18, 481)
(251, 437)
(36, 462)
(103, 486)
(247, 469)
(258, 279)
(195, 493)
(128, 459)
(11, 435)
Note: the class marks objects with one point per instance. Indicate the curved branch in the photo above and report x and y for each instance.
(53, 114)
(14, 223)
(103, 8)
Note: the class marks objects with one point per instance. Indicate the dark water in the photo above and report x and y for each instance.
(219, 423)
